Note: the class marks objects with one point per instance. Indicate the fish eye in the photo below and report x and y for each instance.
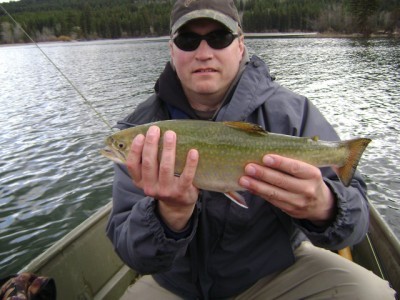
(121, 146)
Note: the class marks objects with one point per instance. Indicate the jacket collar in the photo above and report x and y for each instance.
(169, 89)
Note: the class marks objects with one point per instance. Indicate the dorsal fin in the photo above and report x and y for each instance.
(248, 127)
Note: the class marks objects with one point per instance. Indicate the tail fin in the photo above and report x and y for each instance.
(356, 148)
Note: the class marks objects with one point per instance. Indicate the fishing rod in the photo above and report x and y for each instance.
(99, 115)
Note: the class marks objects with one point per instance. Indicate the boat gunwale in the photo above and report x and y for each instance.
(60, 245)
(372, 245)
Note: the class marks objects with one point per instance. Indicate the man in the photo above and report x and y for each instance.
(199, 244)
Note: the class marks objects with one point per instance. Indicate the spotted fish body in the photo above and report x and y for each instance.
(225, 148)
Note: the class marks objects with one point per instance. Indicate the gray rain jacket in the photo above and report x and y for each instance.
(226, 248)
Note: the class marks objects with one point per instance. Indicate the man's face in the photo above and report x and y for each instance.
(206, 72)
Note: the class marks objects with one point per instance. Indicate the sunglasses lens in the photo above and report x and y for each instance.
(219, 39)
(187, 41)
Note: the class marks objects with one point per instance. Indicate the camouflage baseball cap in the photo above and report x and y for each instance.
(222, 11)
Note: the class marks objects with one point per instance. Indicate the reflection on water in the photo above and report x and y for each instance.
(52, 176)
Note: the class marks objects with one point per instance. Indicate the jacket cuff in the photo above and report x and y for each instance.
(162, 232)
(334, 232)
(171, 234)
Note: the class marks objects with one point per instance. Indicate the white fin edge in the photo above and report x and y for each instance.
(237, 198)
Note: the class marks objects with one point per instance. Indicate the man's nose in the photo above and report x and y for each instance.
(204, 51)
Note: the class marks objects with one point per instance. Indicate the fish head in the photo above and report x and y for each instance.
(117, 148)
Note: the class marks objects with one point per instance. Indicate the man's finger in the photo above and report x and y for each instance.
(150, 157)
(189, 172)
(167, 162)
(292, 167)
(134, 159)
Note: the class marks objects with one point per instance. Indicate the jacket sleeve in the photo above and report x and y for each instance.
(136, 231)
(298, 116)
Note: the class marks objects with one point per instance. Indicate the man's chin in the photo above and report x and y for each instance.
(205, 89)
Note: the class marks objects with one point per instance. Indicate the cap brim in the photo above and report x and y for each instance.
(228, 22)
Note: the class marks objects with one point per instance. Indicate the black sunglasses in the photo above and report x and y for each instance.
(218, 39)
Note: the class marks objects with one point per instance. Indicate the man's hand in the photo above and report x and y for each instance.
(295, 187)
(176, 195)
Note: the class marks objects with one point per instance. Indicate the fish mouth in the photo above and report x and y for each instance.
(114, 155)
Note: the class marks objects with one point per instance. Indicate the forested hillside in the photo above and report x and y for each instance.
(92, 19)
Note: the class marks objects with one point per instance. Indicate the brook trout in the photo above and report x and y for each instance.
(225, 148)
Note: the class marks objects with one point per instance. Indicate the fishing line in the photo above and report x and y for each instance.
(99, 115)
(375, 257)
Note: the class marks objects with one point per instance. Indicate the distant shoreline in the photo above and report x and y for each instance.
(267, 35)
(317, 35)
(254, 35)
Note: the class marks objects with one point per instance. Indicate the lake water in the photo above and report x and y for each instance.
(52, 176)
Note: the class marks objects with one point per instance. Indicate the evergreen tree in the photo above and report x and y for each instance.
(50, 19)
(362, 10)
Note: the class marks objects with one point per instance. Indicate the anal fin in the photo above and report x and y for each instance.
(237, 198)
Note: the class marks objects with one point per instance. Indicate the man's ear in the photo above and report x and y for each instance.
(241, 44)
